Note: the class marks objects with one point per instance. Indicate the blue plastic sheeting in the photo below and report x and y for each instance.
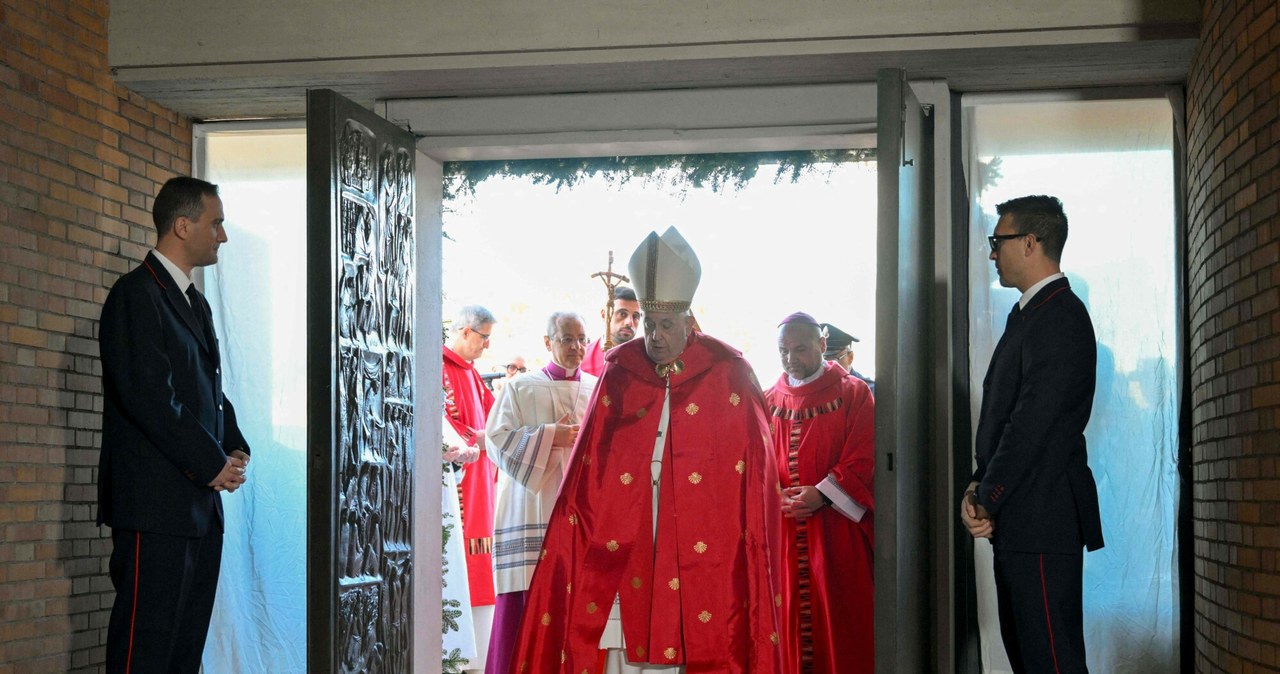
(257, 291)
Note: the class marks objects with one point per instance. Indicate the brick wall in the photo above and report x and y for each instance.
(1233, 101)
(80, 160)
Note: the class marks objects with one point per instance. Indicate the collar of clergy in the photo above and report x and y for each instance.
(674, 367)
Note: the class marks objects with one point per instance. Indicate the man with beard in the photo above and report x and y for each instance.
(622, 327)
(824, 443)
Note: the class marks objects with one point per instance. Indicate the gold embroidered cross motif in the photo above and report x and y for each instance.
(626, 478)
(695, 477)
(734, 399)
(692, 409)
(705, 616)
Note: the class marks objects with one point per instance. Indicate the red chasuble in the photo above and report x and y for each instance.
(704, 594)
(826, 429)
(466, 406)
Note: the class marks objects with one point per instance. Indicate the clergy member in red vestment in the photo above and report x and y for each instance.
(823, 425)
(622, 327)
(466, 406)
(661, 549)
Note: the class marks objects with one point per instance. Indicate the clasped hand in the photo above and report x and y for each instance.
(234, 472)
(975, 517)
(466, 454)
(801, 502)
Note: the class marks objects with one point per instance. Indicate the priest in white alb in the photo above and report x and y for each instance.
(531, 431)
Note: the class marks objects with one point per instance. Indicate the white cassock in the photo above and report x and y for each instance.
(616, 661)
(455, 577)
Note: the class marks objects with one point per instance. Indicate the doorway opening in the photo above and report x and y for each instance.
(1112, 161)
(770, 246)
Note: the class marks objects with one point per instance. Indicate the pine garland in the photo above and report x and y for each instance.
(717, 171)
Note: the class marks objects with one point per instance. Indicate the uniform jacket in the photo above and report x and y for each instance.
(1033, 470)
(166, 426)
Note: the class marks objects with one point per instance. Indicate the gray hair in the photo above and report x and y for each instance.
(554, 321)
(472, 316)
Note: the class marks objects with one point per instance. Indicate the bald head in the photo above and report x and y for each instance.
(800, 346)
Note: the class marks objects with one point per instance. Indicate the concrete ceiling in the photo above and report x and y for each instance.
(219, 96)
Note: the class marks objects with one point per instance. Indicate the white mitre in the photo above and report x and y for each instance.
(665, 272)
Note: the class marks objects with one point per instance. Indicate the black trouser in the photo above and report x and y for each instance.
(164, 599)
(1041, 614)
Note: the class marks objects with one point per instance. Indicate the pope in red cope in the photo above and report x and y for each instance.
(669, 508)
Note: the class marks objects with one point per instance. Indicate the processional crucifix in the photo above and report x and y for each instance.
(611, 281)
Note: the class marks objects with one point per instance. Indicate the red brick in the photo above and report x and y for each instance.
(1233, 175)
(61, 204)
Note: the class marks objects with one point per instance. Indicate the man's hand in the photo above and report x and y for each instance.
(462, 454)
(975, 517)
(801, 502)
(232, 474)
(566, 433)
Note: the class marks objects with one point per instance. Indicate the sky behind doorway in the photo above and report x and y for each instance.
(768, 249)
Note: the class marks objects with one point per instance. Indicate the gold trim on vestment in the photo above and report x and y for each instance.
(665, 306)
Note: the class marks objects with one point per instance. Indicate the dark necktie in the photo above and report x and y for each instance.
(1013, 314)
(201, 311)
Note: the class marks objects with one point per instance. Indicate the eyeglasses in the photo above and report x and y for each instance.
(995, 239)
(517, 368)
(567, 341)
(483, 335)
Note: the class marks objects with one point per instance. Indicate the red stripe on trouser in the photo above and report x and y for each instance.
(1047, 620)
(133, 617)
